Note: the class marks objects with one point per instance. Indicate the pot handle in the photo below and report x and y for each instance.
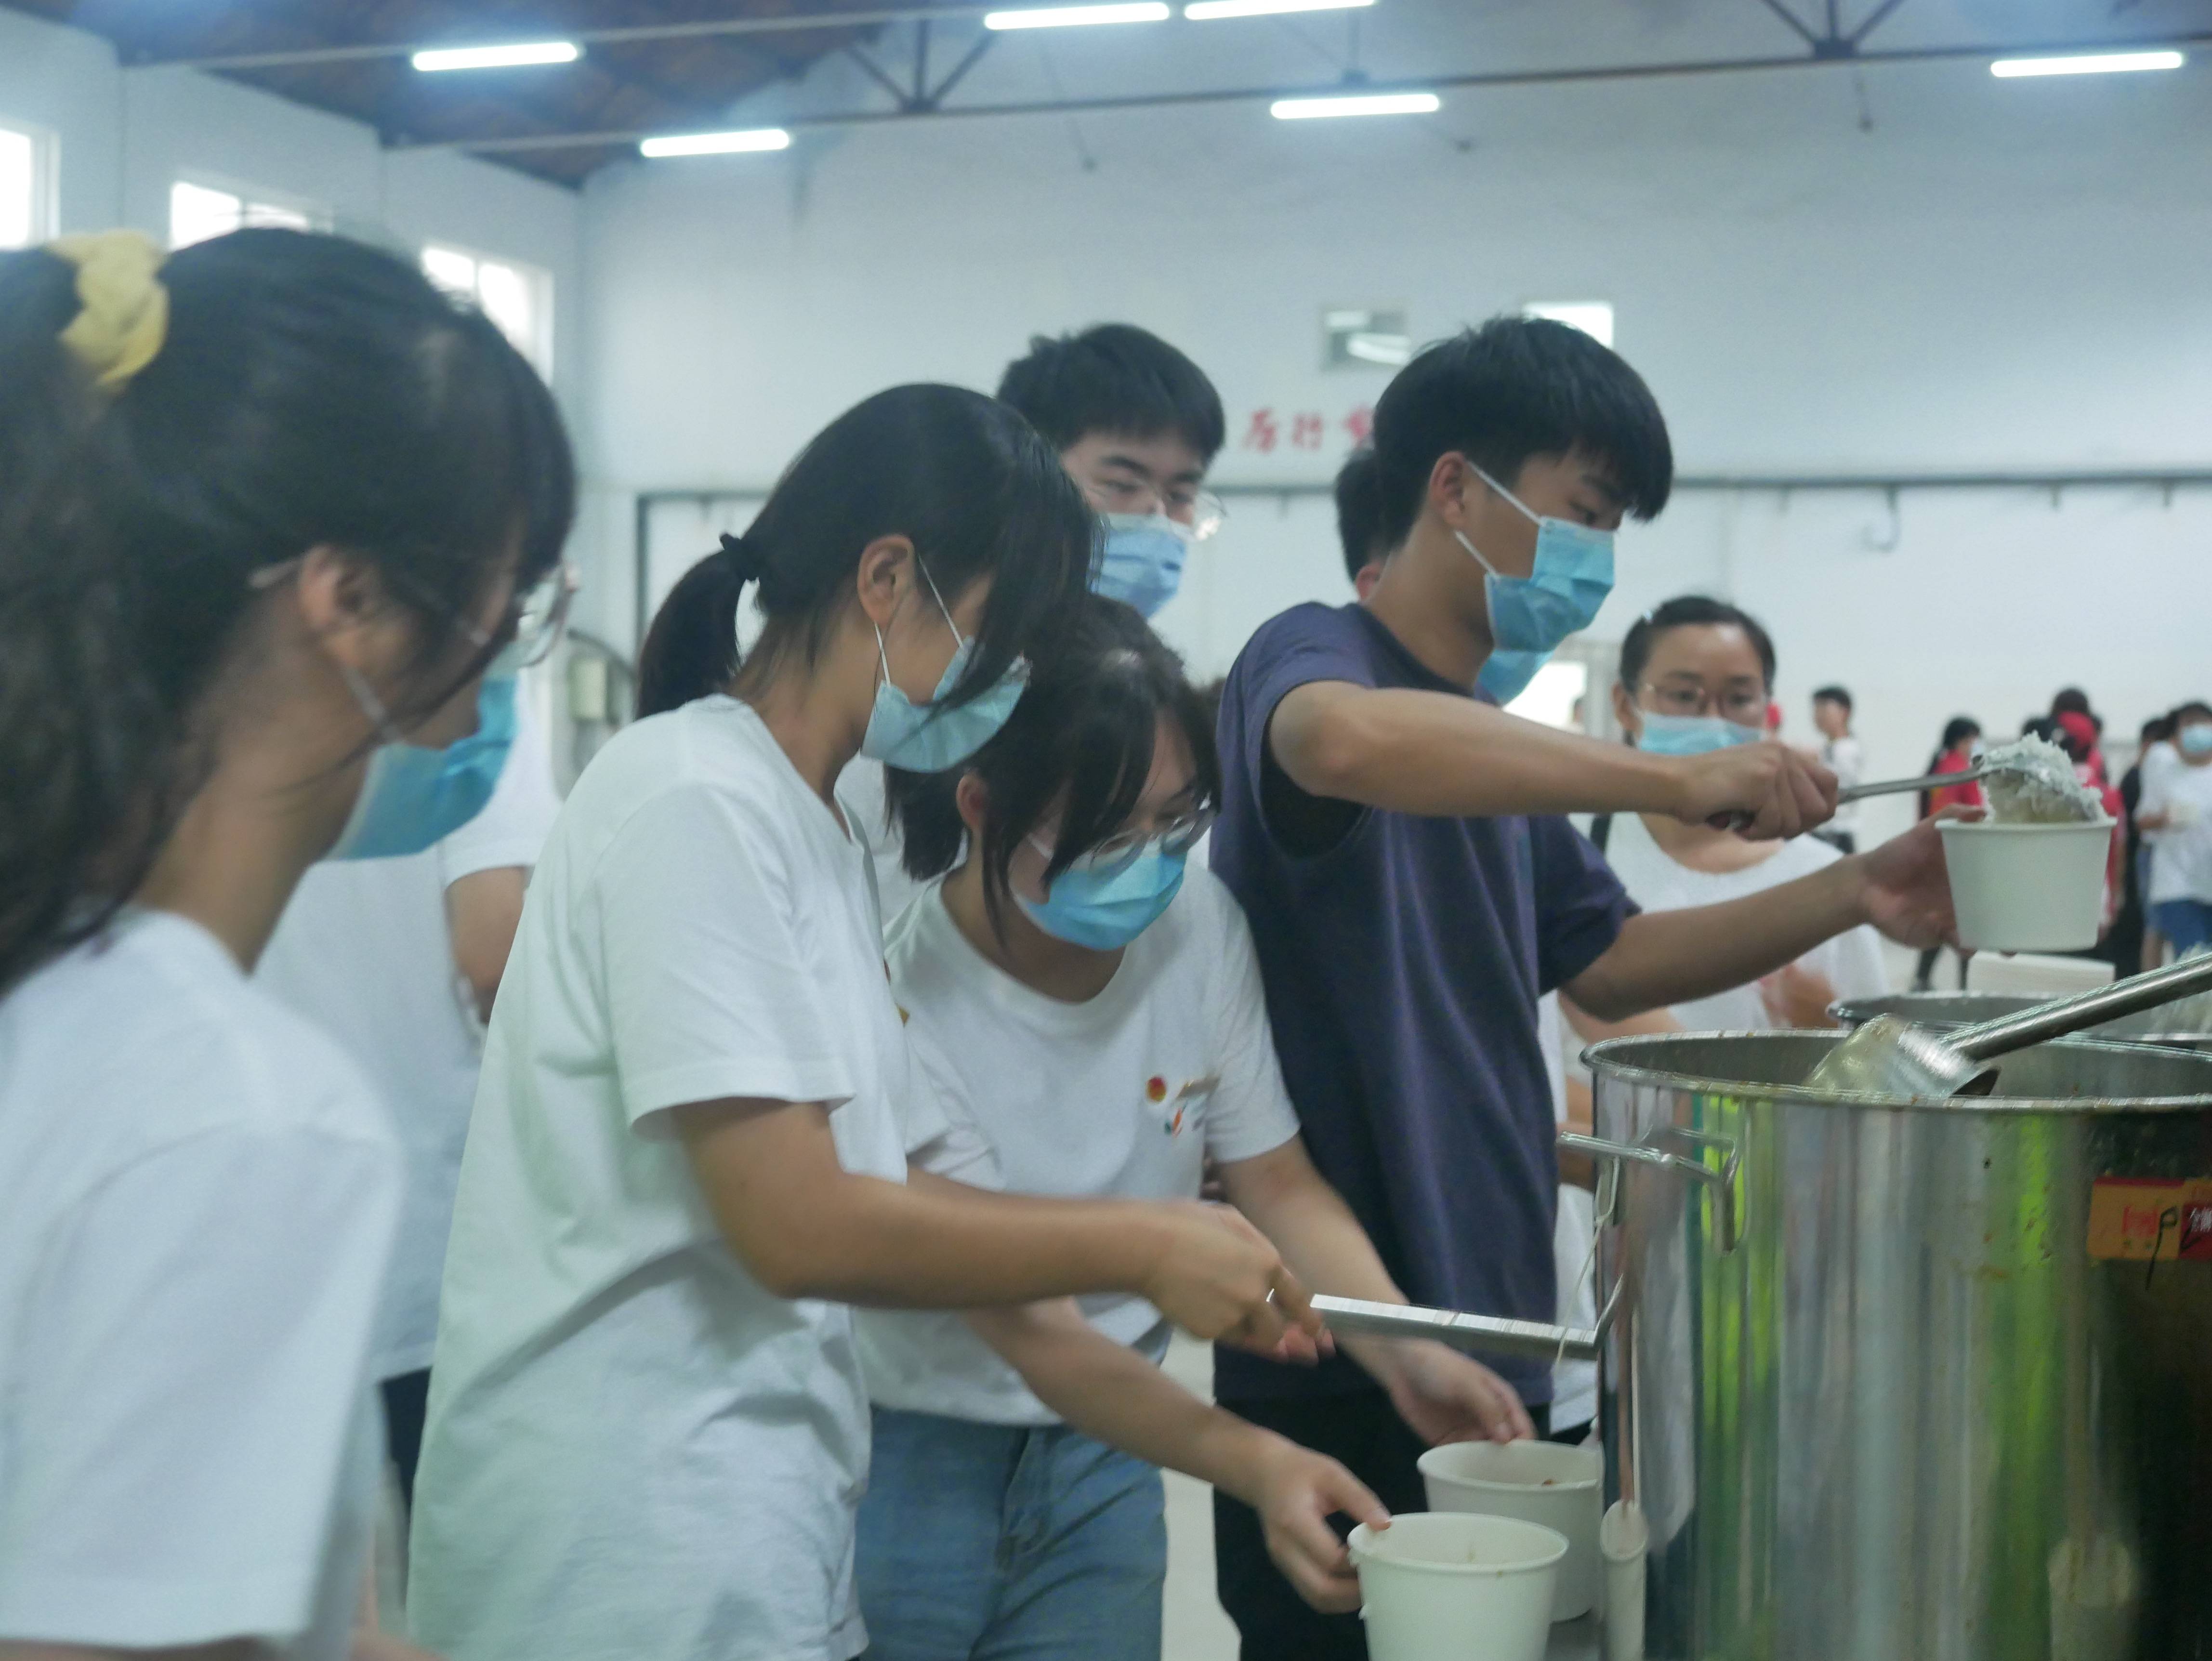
(1721, 1183)
(1486, 1335)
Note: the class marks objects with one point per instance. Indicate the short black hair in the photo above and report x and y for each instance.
(2194, 707)
(1079, 741)
(2070, 700)
(1113, 378)
(1690, 612)
(1359, 511)
(1833, 695)
(1518, 387)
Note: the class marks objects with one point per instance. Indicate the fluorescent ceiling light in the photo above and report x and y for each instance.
(1381, 103)
(1205, 11)
(2106, 62)
(1065, 18)
(718, 143)
(498, 58)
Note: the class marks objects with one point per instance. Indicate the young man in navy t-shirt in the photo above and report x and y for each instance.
(1396, 841)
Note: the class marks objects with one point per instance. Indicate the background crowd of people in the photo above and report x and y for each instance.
(2158, 901)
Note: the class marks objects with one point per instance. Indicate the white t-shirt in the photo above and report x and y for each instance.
(861, 794)
(364, 951)
(1850, 963)
(1574, 1383)
(2181, 854)
(634, 1449)
(201, 1194)
(1841, 757)
(1124, 1095)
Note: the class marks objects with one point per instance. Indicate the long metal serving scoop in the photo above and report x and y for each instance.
(1890, 1056)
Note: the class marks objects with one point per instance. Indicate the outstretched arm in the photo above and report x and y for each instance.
(1441, 1393)
(806, 1227)
(1672, 957)
(1434, 754)
(1108, 1390)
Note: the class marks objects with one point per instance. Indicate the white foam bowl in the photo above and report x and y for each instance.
(1541, 1482)
(2027, 887)
(1457, 1586)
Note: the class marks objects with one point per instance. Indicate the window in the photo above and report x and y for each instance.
(517, 297)
(1354, 336)
(1555, 695)
(26, 188)
(197, 212)
(1593, 317)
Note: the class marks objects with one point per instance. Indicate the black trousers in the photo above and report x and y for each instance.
(1361, 1431)
(406, 1399)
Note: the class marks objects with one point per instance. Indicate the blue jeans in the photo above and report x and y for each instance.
(995, 1542)
(2186, 924)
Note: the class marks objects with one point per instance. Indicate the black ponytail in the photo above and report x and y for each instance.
(692, 649)
(308, 391)
(960, 475)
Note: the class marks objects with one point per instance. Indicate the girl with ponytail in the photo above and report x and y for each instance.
(647, 1430)
(268, 511)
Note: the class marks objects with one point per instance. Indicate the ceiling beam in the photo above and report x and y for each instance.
(815, 22)
(1427, 83)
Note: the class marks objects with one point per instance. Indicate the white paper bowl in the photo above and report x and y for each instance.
(1457, 1586)
(1541, 1482)
(2027, 887)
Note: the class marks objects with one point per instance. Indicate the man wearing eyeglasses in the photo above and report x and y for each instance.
(1137, 424)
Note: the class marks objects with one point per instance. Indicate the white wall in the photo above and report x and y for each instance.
(1986, 281)
(125, 137)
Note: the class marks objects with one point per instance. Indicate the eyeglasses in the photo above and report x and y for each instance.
(1688, 698)
(1119, 852)
(534, 623)
(539, 616)
(1202, 510)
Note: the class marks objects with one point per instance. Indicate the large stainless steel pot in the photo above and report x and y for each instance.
(1947, 1009)
(1950, 1394)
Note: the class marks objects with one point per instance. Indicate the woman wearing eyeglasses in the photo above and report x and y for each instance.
(1094, 1009)
(1697, 675)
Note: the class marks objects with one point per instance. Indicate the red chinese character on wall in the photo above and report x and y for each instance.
(1306, 431)
(1360, 423)
(1263, 432)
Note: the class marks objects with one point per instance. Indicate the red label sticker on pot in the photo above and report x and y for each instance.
(2141, 1219)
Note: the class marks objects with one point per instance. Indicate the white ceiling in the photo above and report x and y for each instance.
(1409, 40)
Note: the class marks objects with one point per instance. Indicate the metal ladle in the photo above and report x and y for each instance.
(1891, 1057)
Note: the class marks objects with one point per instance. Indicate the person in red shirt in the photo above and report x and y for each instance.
(1956, 754)
(2076, 733)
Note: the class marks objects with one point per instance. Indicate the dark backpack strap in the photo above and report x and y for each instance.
(1602, 831)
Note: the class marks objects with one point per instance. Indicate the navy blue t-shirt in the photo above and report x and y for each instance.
(1403, 957)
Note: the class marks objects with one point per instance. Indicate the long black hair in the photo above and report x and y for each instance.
(961, 475)
(309, 392)
(1687, 611)
(1079, 748)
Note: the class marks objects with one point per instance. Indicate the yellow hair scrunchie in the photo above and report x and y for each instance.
(124, 309)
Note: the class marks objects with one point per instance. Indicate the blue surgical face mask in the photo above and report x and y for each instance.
(932, 737)
(412, 797)
(1692, 735)
(2194, 739)
(1571, 577)
(1107, 910)
(1506, 675)
(1142, 562)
